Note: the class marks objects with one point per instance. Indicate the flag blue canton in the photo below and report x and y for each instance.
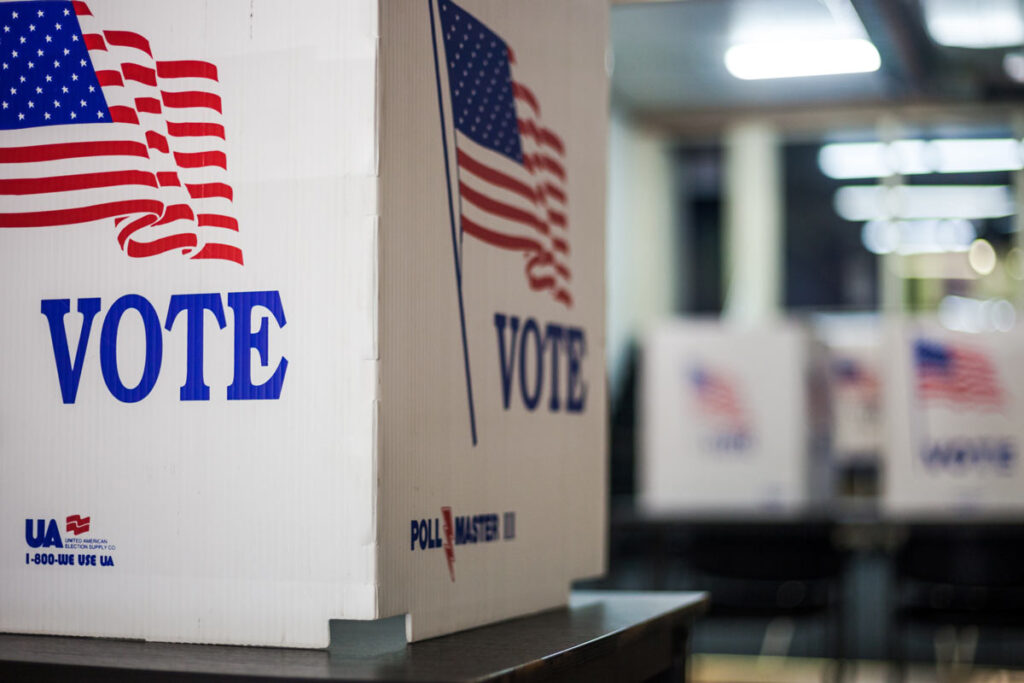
(46, 76)
(931, 355)
(480, 80)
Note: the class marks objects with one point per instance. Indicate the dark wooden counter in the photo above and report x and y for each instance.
(601, 636)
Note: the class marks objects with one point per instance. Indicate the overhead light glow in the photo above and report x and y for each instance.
(790, 59)
(1013, 65)
(982, 257)
(980, 25)
(918, 237)
(854, 160)
(964, 314)
(914, 157)
(874, 202)
(874, 159)
(972, 156)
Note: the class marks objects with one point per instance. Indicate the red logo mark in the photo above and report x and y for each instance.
(77, 525)
(449, 547)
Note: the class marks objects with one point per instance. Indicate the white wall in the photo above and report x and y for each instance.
(642, 248)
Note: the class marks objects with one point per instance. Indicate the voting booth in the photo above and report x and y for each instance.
(954, 422)
(853, 358)
(303, 315)
(731, 418)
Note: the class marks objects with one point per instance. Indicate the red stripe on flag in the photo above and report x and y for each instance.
(546, 258)
(127, 39)
(557, 218)
(176, 212)
(553, 191)
(213, 220)
(501, 209)
(109, 77)
(148, 105)
(560, 245)
(81, 9)
(533, 162)
(139, 73)
(71, 150)
(200, 159)
(543, 136)
(223, 252)
(85, 214)
(204, 190)
(541, 257)
(83, 181)
(195, 130)
(156, 141)
(186, 69)
(137, 223)
(160, 246)
(498, 239)
(94, 41)
(191, 98)
(521, 92)
(495, 177)
(168, 179)
(120, 114)
(538, 283)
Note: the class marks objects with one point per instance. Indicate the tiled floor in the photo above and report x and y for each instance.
(749, 669)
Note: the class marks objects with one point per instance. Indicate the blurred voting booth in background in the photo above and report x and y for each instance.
(852, 367)
(853, 357)
(770, 417)
(732, 418)
(954, 421)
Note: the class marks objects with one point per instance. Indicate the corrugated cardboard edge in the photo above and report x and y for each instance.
(378, 106)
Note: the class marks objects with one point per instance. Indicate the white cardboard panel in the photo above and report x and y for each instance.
(727, 424)
(254, 518)
(954, 421)
(854, 372)
(543, 463)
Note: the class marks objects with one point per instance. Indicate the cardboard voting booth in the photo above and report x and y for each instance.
(954, 421)
(729, 418)
(853, 368)
(302, 314)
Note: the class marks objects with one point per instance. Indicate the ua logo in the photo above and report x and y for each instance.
(45, 535)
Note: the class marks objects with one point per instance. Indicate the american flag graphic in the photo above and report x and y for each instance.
(956, 374)
(854, 376)
(96, 129)
(716, 396)
(510, 167)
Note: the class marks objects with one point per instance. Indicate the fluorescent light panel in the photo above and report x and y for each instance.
(789, 59)
(964, 314)
(874, 202)
(918, 236)
(913, 157)
(979, 25)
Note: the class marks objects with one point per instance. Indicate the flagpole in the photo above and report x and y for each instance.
(455, 241)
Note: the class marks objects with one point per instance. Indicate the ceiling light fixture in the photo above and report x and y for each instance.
(923, 236)
(873, 202)
(753, 61)
(913, 157)
(979, 25)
